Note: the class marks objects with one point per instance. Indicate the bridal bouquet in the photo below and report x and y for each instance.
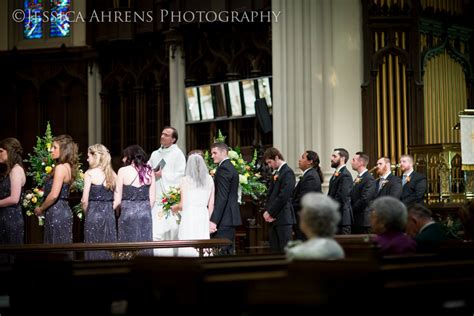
(32, 200)
(170, 198)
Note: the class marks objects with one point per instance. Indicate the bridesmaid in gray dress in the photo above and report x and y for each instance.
(135, 194)
(97, 201)
(58, 214)
(12, 181)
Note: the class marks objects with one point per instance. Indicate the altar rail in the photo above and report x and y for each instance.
(115, 247)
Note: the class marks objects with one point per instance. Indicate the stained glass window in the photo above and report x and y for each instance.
(249, 96)
(192, 104)
(234, 96)
(207, 108)
(264, 90)
(60, 25)
(32, 24)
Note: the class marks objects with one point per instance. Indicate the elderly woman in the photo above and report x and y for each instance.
(319, 219)
(389, 219)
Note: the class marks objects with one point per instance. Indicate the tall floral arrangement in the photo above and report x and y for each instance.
(250, 179)
(41, 165)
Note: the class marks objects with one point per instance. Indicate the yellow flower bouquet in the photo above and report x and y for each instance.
(170, 198)
(31, 200)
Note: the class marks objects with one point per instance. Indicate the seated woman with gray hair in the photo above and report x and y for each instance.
(389, 219)
(319, 220)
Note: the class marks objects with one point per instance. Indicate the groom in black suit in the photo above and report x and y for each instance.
(362, 193)
(278, 209)
(340, 187)
(310, 181)
(414, 183)
(226, 214)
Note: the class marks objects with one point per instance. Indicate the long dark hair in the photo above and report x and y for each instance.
(313, 156)
(14, 151)
(136, 155)
(68, 153)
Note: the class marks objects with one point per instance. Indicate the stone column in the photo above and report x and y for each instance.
(317, 73)
(176, 77)
(94, 113)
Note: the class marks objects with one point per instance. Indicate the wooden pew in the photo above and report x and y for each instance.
(249, 282)
(342, 285)
(445, 279)
(43, 278)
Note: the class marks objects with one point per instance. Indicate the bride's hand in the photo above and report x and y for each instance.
(175, 208)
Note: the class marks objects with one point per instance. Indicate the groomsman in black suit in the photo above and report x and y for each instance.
(226, 214)
(340, 187)
(363, 192)
(414, 183)
(278, 209)
(310, 181)
(387, 183)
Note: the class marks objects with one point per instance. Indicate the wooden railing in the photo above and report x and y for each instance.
(118, 250)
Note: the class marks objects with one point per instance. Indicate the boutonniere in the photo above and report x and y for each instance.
(384, 182)
(407, 179)
(336, 174)
(275, 177)
(358, 180)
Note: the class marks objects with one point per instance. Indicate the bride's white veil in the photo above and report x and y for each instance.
(196, 170)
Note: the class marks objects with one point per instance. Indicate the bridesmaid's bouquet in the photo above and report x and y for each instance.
(32, 200)
(41, 166)
(170, 198)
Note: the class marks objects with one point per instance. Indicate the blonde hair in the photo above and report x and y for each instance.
(68, 153)
(103, 162)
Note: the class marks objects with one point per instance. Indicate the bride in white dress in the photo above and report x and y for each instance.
(197, 203)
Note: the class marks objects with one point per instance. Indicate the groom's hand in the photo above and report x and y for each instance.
(268, 218)
(212, 227)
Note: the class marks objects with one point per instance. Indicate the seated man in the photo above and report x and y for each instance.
(319, 220)
(427, 233)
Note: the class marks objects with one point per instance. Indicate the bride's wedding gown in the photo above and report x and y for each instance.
(195, 214)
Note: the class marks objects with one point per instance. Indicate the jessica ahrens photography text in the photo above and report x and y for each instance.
(199, 16)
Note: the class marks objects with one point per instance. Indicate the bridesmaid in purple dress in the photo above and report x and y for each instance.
(135, 194)
(58, 214)
(12, 181)
(97, 200)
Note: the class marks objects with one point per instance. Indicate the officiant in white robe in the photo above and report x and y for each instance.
(173, 164)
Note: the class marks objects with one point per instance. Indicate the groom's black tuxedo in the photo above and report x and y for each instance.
(309, 182)
(279, 207)
(226, 214)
